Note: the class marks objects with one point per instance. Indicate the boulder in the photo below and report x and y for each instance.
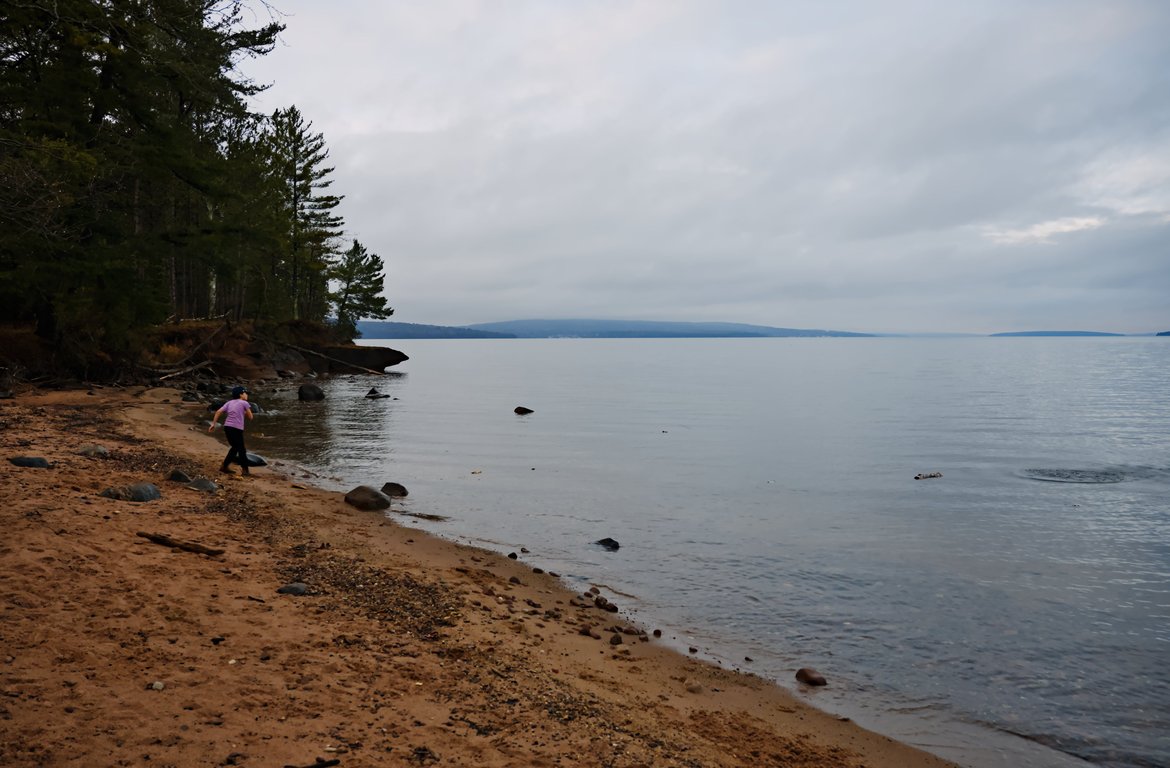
(179, 476)
(394, 489)
(346, 359)
(140, 492)
(310, 392)
(33, 462)
(522, 411)
(609, 544)
(203, 484)
(366, 498)
(256, 460)
(810, 676)
(374, 394)
(93, 451)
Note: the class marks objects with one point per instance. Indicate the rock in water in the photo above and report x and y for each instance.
(366, 498)
(522, 411)
(609, 544)
(810, 676)
(394, 489)
(310, 392)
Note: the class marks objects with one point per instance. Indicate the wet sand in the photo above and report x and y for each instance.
(407, 650)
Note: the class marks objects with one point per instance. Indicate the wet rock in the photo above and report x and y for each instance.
(93, 451)
(374, 394)
(522, 411)
(366, 498)
(394, 490)
(179, 476)
(310, 392)
(32, 462)
(203, 484)
(810, 676)
(609, 544)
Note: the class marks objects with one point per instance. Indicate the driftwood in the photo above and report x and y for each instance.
(196, 367)
(188, 546)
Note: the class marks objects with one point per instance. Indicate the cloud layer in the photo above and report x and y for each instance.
(892, 166)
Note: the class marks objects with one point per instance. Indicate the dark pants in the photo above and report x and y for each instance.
(237, 453)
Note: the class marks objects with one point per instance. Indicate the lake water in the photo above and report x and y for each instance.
(1014, 612)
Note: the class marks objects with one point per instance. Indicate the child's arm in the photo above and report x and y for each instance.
(215, 418)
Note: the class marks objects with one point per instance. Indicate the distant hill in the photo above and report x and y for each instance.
(1163, 333)
(644, 329)
(380, 329)
(1058, 333)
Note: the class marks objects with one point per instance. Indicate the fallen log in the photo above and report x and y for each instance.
(187, 546)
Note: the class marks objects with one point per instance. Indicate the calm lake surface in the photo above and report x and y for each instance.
(1014, 612)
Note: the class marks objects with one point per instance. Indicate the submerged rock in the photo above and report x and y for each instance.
(810, 676)
(310, 392)
(608, 543)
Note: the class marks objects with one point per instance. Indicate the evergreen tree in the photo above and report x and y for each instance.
(112, 125)
(360, 281)
(297, 159)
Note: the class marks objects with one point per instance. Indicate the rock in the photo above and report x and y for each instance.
(374, 394)
(190, 397)
(296, 588)
(203, 484)
(256, 460)
(927, 475)
(33, 462)
(157, 685)
(609, 544)
(810, 676)
(310, 392)
(693, 686)
(394, 490)
(140, 492)
(522, 411)
(179, 476)
(366, 498)
(615, 639)
(93, 451)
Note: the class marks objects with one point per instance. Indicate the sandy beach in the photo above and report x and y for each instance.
(119, 650)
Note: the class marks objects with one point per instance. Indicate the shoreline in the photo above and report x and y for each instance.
(411, 649)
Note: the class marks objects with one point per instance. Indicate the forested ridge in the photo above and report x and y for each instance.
(136, 185)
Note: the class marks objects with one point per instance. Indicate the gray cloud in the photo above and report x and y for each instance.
(894, 166)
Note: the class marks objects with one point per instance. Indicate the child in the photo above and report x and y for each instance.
(233, 428)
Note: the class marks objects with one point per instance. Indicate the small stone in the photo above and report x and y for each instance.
(522, 411)
(615, 639)
(692, 686)
(295, 588)
(157, 685)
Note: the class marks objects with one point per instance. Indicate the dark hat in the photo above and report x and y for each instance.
(237, 391)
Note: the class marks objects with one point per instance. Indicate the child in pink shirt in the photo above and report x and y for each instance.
(235, 410)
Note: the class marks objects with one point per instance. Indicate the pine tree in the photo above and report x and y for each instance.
(296, 159)
(360, 281)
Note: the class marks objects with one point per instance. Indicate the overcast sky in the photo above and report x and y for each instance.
(879, 165)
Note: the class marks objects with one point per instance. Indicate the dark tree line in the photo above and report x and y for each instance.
(135, 185)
